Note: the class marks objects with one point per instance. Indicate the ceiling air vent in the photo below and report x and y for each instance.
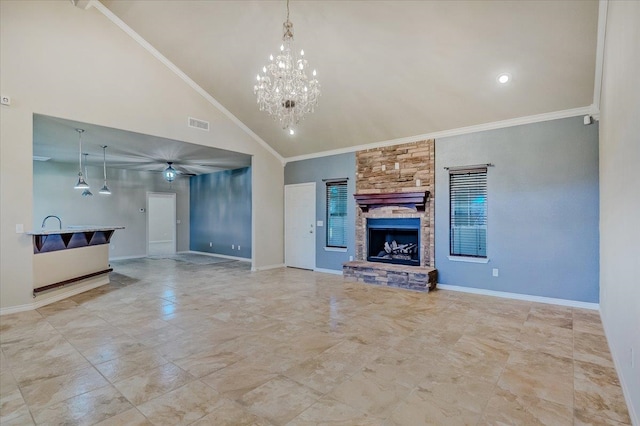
(198, 124)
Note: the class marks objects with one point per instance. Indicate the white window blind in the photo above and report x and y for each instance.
(468, 212)
(337, 214)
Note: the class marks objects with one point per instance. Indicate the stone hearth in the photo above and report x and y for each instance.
(410, 277)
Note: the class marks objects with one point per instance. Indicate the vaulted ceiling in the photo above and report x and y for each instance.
(388, 69)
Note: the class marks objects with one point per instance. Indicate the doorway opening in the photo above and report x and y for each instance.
(161, 223)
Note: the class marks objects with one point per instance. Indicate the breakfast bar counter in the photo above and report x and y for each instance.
(76, 254)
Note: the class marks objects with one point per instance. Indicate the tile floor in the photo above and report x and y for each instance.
(173, 343)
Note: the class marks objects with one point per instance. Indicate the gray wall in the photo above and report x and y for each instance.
(314, 170)
(221, 212)
(542, 209)
(53, 193)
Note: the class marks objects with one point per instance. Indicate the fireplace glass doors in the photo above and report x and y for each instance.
(394, 240)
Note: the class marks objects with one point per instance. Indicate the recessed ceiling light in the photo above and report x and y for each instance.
(504, 78)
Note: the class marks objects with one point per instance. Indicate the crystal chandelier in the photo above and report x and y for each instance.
(283, 89)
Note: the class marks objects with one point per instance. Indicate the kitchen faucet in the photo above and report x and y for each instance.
(45, 219)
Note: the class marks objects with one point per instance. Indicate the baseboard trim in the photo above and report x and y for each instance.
(518, 296)
(328, 271)
(224, 256)
(267, 267)
(16, 309)
(127, 257)
(55, 298)
(635, 416)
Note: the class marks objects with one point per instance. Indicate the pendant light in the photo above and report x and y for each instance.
(105, 189)
(81, 182)
(86, 192)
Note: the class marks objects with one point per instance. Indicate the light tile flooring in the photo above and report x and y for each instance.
(171, 343)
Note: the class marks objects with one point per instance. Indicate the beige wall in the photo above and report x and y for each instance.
(67, 62)
(620, 196)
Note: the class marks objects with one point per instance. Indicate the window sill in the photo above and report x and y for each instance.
(469, 259)
(338, 249)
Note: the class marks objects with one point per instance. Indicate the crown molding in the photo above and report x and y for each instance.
(174, 68)
(538, 118)
(603, 6)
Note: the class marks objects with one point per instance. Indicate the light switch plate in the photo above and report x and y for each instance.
(19, 228)
(319, 223)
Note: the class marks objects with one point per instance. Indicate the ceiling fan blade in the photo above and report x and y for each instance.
(182, 170)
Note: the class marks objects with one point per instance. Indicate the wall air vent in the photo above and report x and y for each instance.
(198, 124)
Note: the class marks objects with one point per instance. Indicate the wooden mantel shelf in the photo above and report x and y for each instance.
(415, 200)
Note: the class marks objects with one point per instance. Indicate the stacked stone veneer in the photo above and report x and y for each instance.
(376, 173)
(416, 161)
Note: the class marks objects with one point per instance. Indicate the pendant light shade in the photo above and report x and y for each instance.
(87, 192)
(82, 184)
(105, 189)
(169, 173)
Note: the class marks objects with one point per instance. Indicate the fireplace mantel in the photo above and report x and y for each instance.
(401, 199)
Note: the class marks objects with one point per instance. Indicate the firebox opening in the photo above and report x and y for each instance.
(394, 241)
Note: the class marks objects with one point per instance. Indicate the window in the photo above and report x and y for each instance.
(468, 212)
(337, 214)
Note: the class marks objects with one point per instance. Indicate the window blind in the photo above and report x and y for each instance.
(468, 212)
(337, 214)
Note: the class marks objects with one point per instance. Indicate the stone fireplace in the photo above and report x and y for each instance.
(395, 183)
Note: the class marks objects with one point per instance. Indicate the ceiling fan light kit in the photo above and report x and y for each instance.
(169, 173)
(283, 89)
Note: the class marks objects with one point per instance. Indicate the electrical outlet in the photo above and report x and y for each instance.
(397, 166)
(384, 167)
(238, 246)
(350, 258)
(418, 182)
(495, 272)
(210, 244)
(19, 228)
(233, 246)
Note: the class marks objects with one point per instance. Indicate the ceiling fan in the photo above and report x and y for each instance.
(170, 172)
(175, 168)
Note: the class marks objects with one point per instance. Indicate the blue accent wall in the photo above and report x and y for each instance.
(315, 170)
(220, 212)
(543, 209)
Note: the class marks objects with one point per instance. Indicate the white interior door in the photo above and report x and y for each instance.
(161, 223)
(299, 225)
